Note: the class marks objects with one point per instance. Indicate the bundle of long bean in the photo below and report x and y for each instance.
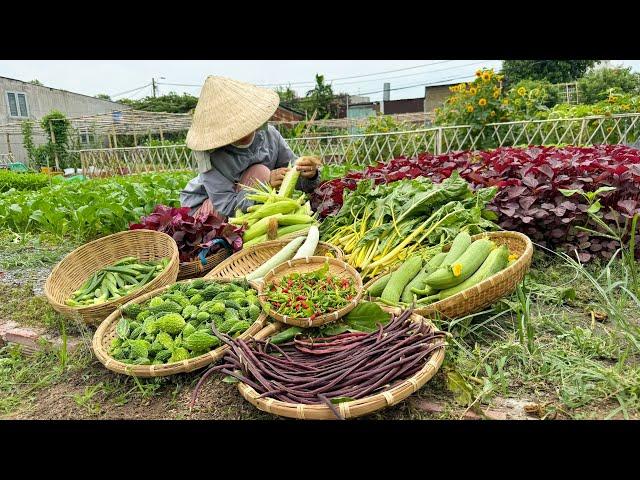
(349, 365)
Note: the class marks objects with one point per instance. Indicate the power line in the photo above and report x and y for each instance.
(129, 91)
(353, 76)
(412, 74)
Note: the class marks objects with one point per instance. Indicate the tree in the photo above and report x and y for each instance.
(320, 98)
(35, 81)
(554, 71)
(103, 96)
(287, 95)
(170, 103)
(597, 84)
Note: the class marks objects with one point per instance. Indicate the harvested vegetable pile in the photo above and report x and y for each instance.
(195, 236)
(309, 295)
(275, 213)
(530, 182)
(178, 324)
(117, 280)
(334, 369)
(379, 226)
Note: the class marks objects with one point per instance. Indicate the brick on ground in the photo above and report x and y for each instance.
(33, 339)
(5, 326)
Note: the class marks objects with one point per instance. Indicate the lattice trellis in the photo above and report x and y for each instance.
(365, 149)
(124, 161)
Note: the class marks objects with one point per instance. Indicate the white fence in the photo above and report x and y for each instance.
(365, 149)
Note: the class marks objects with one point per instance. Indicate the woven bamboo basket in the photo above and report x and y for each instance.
(248, 259)
(195, 268)
(356, 408)
(106, 332)
(337, 268)
(492, 289)
(76, 267)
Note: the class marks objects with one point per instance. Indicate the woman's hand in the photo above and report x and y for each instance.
(308, 166)
(277, 176)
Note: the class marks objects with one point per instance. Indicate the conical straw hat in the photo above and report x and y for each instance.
(228, 110)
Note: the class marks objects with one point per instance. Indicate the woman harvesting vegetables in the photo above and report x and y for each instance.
(234, 146)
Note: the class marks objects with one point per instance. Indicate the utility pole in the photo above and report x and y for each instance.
(154, 86)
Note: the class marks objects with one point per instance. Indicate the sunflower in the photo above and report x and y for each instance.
(522, 91)
(505, 101)
(470, 108)
(492, 114)
(473, 90)
(610, 129)
(486, 76)
(496, 93)
(478, 73)
(482, 102)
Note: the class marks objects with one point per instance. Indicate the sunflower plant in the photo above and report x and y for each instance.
(476, 103)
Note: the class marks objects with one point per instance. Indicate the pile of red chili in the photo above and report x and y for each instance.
(346, 366)
(309, 295)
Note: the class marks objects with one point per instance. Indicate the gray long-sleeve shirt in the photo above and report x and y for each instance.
(229, 163)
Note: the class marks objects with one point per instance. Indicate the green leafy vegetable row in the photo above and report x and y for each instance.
(92, 208)
(23, 181)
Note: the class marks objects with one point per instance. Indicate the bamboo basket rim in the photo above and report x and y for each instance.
(396, 393)
(165, 369)
(307, 322)
(171, 270)
(194, 268)
(521, 264)
(245, 252)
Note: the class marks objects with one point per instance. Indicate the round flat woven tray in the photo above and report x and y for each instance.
(337, 268)
(76, 267)
(248, 259)
(196, 269)
(356, 408)
(487, 292)
(106, 332)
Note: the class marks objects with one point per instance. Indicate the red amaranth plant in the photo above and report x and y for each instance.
(192, 234)
(529, 180)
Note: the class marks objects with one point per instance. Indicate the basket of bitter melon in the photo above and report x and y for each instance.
(465, 277)
(169, 330)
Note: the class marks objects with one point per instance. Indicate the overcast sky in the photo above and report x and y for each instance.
(116, 77)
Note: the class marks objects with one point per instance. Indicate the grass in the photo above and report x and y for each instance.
(572, 346)
(20, 251)
(567, 341)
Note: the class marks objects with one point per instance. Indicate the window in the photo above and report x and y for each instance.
(85, 137)
(17, 103)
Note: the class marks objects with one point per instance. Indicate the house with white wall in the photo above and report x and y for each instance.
(20, 100)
